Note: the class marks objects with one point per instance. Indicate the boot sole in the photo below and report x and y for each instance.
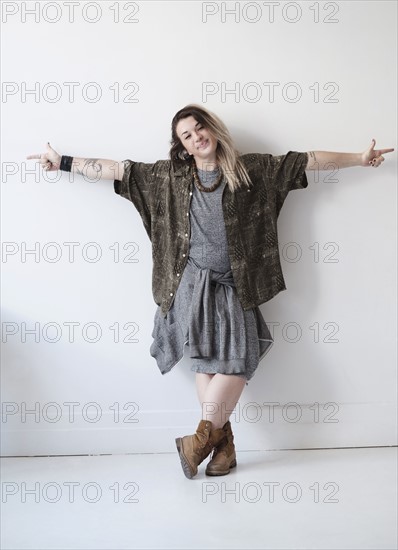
(221, 473)
(185, 466)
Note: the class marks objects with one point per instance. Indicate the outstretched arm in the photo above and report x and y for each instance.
(91, 168)
(324, 160)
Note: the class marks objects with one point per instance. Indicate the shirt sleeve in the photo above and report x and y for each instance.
(287, 172)
(137, 186)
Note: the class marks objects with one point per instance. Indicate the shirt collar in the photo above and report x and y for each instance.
(181, 168)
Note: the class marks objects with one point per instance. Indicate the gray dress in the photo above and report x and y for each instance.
(206, 313)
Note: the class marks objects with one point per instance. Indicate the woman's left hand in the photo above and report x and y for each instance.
(372, 156)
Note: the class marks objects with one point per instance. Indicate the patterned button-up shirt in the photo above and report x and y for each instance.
(162, 192)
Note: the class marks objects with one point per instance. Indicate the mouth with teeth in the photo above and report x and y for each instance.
(203, 144)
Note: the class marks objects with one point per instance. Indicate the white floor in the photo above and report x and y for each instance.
(334, 499)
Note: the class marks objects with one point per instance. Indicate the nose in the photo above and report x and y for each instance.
(198, 137)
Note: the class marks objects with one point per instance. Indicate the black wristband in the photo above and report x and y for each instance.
(66, 163)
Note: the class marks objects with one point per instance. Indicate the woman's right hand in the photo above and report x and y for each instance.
(50, 160)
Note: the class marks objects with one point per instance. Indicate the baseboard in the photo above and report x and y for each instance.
(297, 426)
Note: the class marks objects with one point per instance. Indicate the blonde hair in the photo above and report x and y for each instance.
(227, 156)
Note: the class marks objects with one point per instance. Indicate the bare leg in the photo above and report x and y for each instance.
(219, 397)
(202, 381)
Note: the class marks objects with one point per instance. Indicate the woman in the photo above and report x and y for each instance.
(211, 216)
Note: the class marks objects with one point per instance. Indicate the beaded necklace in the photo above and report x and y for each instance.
(202, 187)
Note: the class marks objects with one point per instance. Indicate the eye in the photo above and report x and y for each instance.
(199, 128)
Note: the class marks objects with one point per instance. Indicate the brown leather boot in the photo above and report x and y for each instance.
(224, 457)
(193, 449)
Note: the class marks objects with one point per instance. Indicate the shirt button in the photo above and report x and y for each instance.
(183, 255)
(178, 274)
(171, 294)
(248, 190)
(187, 213)
(186, 234)
(190, 192)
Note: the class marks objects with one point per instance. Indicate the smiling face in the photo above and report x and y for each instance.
(198, 141)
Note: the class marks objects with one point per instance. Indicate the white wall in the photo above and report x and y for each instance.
(170, 53)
